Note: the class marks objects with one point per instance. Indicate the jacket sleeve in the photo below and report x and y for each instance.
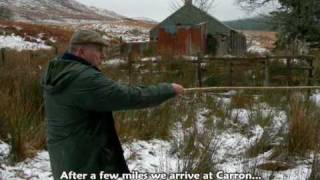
(100, 93)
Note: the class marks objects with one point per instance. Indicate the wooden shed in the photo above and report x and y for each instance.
(190, 30)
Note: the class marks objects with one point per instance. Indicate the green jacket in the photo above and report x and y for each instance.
(79, 101)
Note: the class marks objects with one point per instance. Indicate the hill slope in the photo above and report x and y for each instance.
(257, 24)
(53, 11)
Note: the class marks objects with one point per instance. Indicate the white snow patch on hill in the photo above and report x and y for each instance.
(18, 43)
(121, 31)
(256, 48)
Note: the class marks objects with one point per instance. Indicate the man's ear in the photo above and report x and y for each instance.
(79, 51)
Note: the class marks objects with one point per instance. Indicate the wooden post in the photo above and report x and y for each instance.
(310, 71)
(310, 76)
(230, 74)
(199, 70)
(2, 51)
(289, 71)
(266, 72)
(56, 50)
(130, 70)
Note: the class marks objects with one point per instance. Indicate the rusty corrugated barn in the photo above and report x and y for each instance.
(190, 30)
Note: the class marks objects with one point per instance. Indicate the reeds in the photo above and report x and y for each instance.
(22, 118)
(21, 107)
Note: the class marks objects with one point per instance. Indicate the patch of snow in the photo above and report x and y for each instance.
(190, 58)
(279, 122)
(230, 93)
(52, 39)
(316, 98)
(241, 115)
(153, 59)
(3, 26)
(300, 172)
(4, 150)
(37, 168)
(279, 118)
(201, 119)
(18, 28)
(18, 43)
(257, 49)
(114, 62)
(233, 144)
(150, 156)
(243, 165)
(225, 100)
(146, 19)
(124, 32)
(178, 132)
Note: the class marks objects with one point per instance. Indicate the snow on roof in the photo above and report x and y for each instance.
(18, 43)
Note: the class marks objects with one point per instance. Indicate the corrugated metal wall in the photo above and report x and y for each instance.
(185, 40)
(238, 44)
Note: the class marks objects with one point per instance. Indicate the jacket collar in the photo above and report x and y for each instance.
(72, 57)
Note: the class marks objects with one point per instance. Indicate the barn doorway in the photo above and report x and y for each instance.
(212, 45)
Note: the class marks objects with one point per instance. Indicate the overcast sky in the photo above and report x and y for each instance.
(160, 9)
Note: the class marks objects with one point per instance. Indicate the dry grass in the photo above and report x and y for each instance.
(22, 119)
(21, 106)
(303, 128)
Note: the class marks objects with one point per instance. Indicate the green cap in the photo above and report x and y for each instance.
(88, 37)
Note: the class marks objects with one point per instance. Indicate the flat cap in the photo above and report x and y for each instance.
(88, 37)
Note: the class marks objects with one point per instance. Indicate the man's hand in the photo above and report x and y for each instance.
(178, 88)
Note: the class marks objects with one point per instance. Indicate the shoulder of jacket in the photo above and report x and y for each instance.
(89, 74)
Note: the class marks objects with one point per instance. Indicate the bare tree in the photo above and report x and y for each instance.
(204, 5)
(253, 4)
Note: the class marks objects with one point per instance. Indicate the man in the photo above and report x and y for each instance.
(79, 101)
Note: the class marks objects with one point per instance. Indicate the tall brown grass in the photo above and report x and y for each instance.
(21, 105)
(22, 118)
(303, 127)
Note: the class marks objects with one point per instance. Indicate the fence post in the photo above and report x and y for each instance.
(266, 72)
(199, 70)
(310, 71)
(230, 74)
(2, 51)
(130, 69)
(289, 69)
(56, 50)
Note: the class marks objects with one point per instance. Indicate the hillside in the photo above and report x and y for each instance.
(53, 11)
(255, 24)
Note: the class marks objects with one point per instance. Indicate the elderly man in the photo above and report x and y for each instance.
(79, 101)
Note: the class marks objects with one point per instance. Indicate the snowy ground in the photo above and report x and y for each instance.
(121, 31)
(19, 43)
(255, 47)
(158, 155)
